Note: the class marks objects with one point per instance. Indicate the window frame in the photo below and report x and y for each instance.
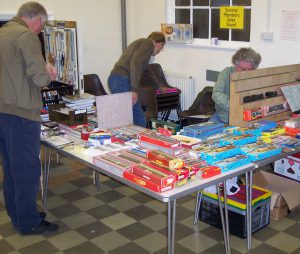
(170, 15)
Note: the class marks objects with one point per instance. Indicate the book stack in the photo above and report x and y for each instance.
(82, 102)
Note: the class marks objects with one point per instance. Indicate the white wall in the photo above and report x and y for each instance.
(99, 30)
(195, 61)
(99, 35)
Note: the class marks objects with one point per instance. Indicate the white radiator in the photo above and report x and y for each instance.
(186, 84)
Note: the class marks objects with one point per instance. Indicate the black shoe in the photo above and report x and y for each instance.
(44, 227)
(43, 215)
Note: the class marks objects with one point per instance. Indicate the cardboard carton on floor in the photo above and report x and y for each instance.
(289, 166)
(285, 193)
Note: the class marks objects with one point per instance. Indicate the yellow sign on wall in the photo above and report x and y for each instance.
(232, 17)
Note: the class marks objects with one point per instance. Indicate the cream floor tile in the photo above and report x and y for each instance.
(156, 206)
(53, 202)
(117, 221)
(284, 242)
(87, 203)
(124, 204)
(189, 222)
(63, 188)
(152, 242)
(282, 224)
(190, 205)
(197, 242)
(126, 191)
(4, 218)
(79, 219)
(20, 241)
(92, 190)
(67, 240)
(240, 244)
(155, 222)
(110, 241)
(59, 170)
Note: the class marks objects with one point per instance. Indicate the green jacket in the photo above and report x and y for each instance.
(134, 61)
(221, 94)
(22, 71)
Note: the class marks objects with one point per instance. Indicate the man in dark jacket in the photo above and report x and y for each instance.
(127, 72)
(23, 72)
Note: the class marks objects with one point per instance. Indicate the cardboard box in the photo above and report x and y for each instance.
(289, 167)
(285, 192)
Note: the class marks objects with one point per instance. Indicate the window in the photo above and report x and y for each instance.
(205, 17)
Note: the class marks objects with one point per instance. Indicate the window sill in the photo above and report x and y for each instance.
(224, 45)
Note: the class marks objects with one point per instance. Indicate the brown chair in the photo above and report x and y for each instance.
(147, 99)
(93, 85)
(202, 105)
(154, 77)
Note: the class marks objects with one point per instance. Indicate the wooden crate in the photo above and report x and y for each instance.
(257, 82)
(72, 119)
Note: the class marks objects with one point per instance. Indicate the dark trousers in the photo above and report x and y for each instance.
(119, 84)
(20, 148)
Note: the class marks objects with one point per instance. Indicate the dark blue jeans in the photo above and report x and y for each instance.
(20, 149)
(119, 84)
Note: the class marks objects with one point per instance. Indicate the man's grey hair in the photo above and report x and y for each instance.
(248, 55)
(31, 10)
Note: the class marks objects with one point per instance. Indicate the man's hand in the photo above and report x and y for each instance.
(51, 71)
(134, 98)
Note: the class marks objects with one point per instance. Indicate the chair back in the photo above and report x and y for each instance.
(147, 99)
(153, 76)
(93, 85)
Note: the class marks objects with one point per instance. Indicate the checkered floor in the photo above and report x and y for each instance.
(119, 220)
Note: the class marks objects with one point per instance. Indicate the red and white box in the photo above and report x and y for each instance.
(289, 166)
(160, 140)
(146, 183)
(210, 171)
(153, 175)
(179, 174)
(164, 159)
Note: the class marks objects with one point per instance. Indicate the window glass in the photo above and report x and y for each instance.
(241, 2)
(216, 3)
(182, 2)
(221, 34)
(243, 35)
(201, 2)
(201, 23)
(182, 16)
(205, 17)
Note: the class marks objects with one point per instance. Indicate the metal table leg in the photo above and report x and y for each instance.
(222, 220)
(226, 217)
(96, 179)
(197, 206)
(249, 208)
(171, 225)
(45, 173)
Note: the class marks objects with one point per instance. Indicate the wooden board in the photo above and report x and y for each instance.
(257, 82)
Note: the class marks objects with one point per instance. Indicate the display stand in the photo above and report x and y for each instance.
(263, 88)
(60, 41)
